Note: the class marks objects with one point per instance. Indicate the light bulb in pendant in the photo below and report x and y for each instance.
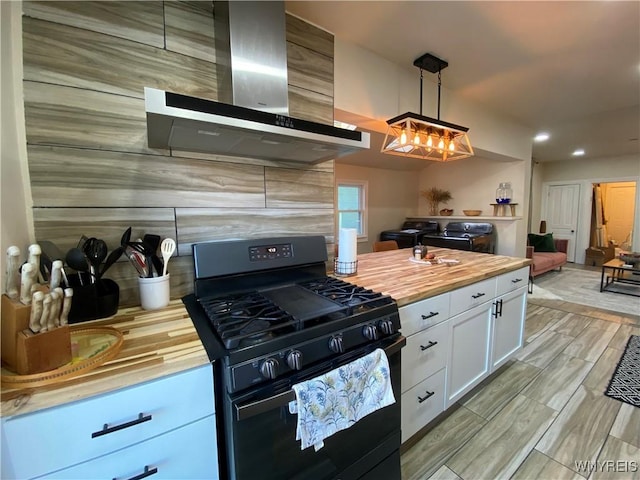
(452, 147)
(441, 145)
(403, 137)
(416, 139)
(429, 142)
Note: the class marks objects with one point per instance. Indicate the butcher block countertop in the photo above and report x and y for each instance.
(156, 344)
(393, 273)
(163, 342)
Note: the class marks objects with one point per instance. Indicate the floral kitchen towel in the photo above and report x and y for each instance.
(338, 399)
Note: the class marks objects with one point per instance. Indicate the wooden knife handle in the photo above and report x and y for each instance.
(54, 311)
(34, 259)
(46, 309)
(36, 311)
(66, 306)
(13, 275)
(26, 283)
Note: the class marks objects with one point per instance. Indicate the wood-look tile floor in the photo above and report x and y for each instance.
(545, 411)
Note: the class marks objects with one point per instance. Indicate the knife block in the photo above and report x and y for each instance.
(15, 318)
(41, 352)
(26, 352)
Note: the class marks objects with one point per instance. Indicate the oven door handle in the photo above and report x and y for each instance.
(252, 409)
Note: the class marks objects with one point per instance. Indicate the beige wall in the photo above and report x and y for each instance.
(392, 198)
(17, 222)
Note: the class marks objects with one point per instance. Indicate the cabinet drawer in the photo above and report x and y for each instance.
(73, 433)
(472, 295)
(422, 403)
(511, 281)
(185, 453)
(420, 315)
(425, 353)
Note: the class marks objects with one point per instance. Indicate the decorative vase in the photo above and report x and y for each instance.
(504, 193)
(433, 208)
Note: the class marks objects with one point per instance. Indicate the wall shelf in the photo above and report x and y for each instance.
(465, 218)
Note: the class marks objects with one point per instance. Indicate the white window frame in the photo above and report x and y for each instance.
(363, 185)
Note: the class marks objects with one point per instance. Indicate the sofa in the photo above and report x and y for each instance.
(544, 259)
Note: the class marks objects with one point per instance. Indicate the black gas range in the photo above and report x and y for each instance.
(269, 317)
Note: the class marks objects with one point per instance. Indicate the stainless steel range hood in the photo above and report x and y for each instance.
(251, 119)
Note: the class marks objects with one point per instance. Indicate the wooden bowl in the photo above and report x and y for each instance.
(446, 212)
(472, 213)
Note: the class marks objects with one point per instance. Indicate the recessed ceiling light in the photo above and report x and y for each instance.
(578, 153)
(541, 137)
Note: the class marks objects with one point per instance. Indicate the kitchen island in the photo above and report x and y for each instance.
(163, 371)
(463, 319)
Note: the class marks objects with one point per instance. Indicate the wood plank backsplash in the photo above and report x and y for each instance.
(85, 68)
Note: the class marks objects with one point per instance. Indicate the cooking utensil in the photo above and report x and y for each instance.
(13, 272)
(137, 260)
(77, 260)
(96, 251)
(167, 248)
(111, 259)
(126, 238)
(26, 282)
(153, 242)
(36, 311)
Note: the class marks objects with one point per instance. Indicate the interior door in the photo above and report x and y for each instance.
(619, 211)
(561, 214)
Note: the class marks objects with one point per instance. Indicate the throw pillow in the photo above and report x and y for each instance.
(542, 243)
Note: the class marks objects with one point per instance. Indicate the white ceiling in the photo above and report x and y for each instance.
(569, 68)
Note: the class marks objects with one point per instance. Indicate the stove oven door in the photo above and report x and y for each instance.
(261, 434)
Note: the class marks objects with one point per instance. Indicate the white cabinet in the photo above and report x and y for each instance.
(470, 335)
(424, 359)
(175, 454)
(422, 403)
(455, 340)
(48, 440)
(508, 326)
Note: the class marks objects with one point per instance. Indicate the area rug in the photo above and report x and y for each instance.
(625, 383)
(581, 286)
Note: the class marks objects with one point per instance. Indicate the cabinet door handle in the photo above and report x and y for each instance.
(431, 314)
(516, 280)
(147, 473)
(499, 307)
(422, 399)
(478, 295)
(107, 429)
(429, 345)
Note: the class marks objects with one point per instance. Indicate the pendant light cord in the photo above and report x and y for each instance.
(439, 85)
(420, 92)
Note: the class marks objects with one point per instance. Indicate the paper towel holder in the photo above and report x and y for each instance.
(344, 269)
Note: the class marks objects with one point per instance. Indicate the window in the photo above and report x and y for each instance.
(352, 206)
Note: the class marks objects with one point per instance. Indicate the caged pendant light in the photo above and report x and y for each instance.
(417, 136)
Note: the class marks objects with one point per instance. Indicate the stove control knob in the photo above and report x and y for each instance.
(269, 368)
(370, 332)
(335, 344)
(294, 360)
(386, 326)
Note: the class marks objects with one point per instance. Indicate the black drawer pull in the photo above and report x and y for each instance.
(478, 295)
(422, 399)
(429, 345)
(516, 280)
(107, 429)
(431, 314)
(147, 473)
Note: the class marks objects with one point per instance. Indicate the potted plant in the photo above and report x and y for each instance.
(435, 196)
